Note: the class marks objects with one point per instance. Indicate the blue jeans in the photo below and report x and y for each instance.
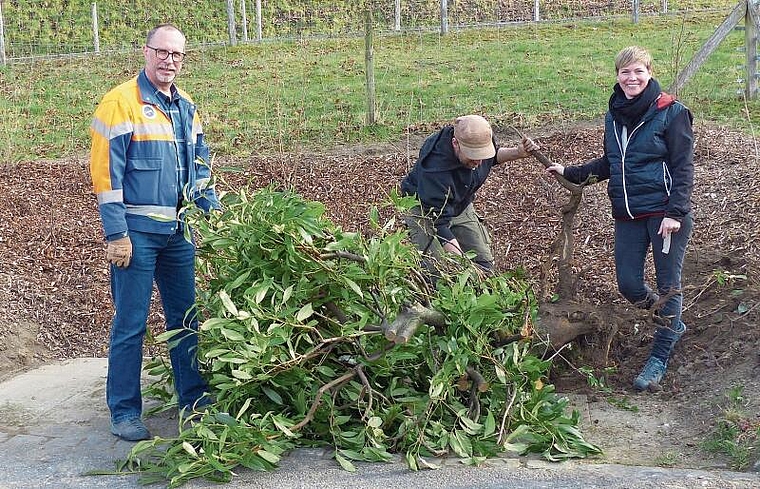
(632, 243)
(170, 261)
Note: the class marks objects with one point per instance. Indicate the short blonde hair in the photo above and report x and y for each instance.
(633, 54)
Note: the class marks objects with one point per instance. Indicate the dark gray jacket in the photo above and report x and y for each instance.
(443, 185)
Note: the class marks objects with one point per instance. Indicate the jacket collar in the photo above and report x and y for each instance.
(149, 93)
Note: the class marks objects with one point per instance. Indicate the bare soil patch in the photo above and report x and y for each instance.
(55, 304)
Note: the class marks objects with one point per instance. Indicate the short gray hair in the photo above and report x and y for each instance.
(153, 31)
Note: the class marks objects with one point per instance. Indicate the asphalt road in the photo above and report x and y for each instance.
(54, 429)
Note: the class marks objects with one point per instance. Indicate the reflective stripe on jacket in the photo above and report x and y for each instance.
(134, 157)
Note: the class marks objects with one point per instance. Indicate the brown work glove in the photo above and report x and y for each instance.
(119, 252)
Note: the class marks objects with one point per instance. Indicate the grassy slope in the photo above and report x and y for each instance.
(284, 95)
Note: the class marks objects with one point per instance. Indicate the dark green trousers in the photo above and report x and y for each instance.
(467, 227)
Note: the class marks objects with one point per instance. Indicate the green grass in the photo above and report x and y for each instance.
(736, 433)
(310, 94)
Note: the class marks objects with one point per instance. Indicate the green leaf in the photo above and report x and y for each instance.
(272, 394)
(470, 426)
(325, 370)
(456, 444)
(428, 465)
(227, 303)
(232, 335)
(304, 313)
(500, 374)
(345, 463)
(287, 293)
(268, 456)
(375, 422)
(167, 335)
(436, 389)
(280, 424)
(353, 285)
(241, 374)
(189, 449)
(489, 427)
(261, 294)
(351, 454)
(243, 408)
(411, 461)
(238, 281)
(226, 419)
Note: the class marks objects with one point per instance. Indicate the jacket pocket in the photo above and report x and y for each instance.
(144, 164)
(143, 181)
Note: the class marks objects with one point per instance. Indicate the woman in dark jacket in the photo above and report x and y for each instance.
(649, 162)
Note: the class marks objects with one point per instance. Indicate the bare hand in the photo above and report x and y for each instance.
(667, 226)
(556, 168)
(526, 146)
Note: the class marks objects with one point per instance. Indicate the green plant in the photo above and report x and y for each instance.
(667, 459)
(599, 382)
(736, 434)
(622, 403)
(723, 277)
(317, 336)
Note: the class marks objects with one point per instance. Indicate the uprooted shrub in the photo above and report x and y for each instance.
(315, 336)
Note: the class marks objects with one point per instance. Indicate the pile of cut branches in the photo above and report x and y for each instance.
(314, 336)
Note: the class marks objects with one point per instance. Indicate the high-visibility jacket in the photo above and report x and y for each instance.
(134, 159)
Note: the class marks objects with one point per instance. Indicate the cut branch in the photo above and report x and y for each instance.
(409, 319)
(318, 399)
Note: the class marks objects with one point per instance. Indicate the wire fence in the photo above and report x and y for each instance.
(32, 30)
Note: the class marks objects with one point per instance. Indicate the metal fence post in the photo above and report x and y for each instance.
(444, 17)
(95, 35)
(258, 20)
(397, 12)
(635, 11)
(244, 20)
(2, 36)
(750, 41)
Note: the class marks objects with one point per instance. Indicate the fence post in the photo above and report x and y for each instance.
(635, 11)
(369, 66)
(2, 37)
(95, 36)
(536, 10)
(444, 17)
(244, 20)
(397, 24)
(750, 41)
(664, 6)
(258, 20)
(231, 22)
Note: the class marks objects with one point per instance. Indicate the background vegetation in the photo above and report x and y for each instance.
(34, 27)
(309, 93)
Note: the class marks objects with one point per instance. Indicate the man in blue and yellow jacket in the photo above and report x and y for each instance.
(148, 159)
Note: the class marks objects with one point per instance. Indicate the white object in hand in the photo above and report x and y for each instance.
(666, 244)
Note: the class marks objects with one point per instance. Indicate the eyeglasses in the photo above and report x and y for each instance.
(177, 56)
